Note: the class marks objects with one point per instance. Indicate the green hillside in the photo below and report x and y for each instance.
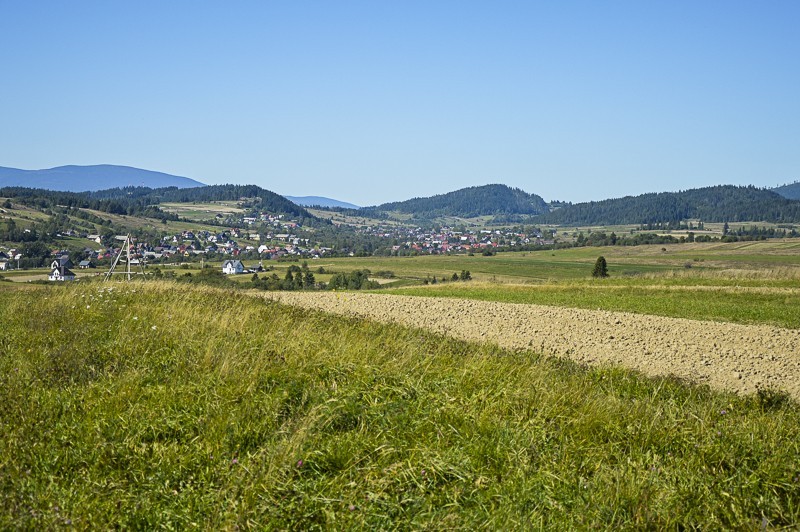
(144, 201)
(725, 203)
(151, 405)
(261, 198)
(468, 203)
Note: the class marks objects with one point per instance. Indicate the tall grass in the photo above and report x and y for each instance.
(157, 405)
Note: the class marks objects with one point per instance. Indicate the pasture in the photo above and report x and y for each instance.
(158, 405)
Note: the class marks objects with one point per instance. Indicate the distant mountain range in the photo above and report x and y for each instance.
(320, 201)
(506, 204)
(90, 178)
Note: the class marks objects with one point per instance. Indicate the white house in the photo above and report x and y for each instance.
(61, 274)
(232, 267)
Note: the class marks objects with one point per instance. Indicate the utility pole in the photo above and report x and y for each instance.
(126, 248)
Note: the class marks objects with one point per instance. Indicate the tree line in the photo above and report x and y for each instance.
(711, 204)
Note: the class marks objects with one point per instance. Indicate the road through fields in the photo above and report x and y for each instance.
(725, 356)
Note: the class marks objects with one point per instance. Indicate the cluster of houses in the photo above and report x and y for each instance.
(268, 237)
(452, 240)
(268, 245)
(226, 243)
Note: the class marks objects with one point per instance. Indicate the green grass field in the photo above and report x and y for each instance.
(576, 263)
(156, 405)
(202, 211)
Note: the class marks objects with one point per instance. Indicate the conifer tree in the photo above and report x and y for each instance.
(600, 268)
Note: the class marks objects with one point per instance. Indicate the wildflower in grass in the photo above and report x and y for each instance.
(299, 463)
(235, 461)
(136, 317)
(352, 507)
(723, 412)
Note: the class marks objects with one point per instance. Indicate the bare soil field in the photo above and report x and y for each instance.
(734, 357)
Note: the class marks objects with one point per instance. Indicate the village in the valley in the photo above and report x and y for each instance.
(270, 237)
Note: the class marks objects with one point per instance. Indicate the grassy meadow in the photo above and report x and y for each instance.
(158, 405)
(763, 260)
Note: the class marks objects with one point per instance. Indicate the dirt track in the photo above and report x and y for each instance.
(723, 355)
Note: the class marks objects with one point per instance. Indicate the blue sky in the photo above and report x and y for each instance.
(378, 101)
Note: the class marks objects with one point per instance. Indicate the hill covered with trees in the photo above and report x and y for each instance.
(724, 203)
(143, 201)
(467, 203)
(790, 191)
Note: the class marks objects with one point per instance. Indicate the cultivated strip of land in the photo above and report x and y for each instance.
(726, 356)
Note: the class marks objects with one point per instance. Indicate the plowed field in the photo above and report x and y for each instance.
(726, 356)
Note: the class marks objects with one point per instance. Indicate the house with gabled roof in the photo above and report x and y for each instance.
(61, 273)
(232, 267)
(62, 261)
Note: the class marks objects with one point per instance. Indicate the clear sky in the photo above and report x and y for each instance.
(383, 100)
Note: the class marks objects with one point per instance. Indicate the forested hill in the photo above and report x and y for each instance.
(791, 191)
(138, 200)
(725, 203)
(267, 200)
(470, 202)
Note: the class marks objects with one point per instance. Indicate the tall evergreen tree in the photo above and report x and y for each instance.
(600, 267)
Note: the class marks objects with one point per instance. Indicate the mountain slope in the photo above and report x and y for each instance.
(470, 202)
(88, 178)
(724, 203)
(320, 201)
(135, 200)
(791, 191)
(267, 200)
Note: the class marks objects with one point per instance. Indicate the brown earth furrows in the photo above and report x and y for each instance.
(726, 356)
